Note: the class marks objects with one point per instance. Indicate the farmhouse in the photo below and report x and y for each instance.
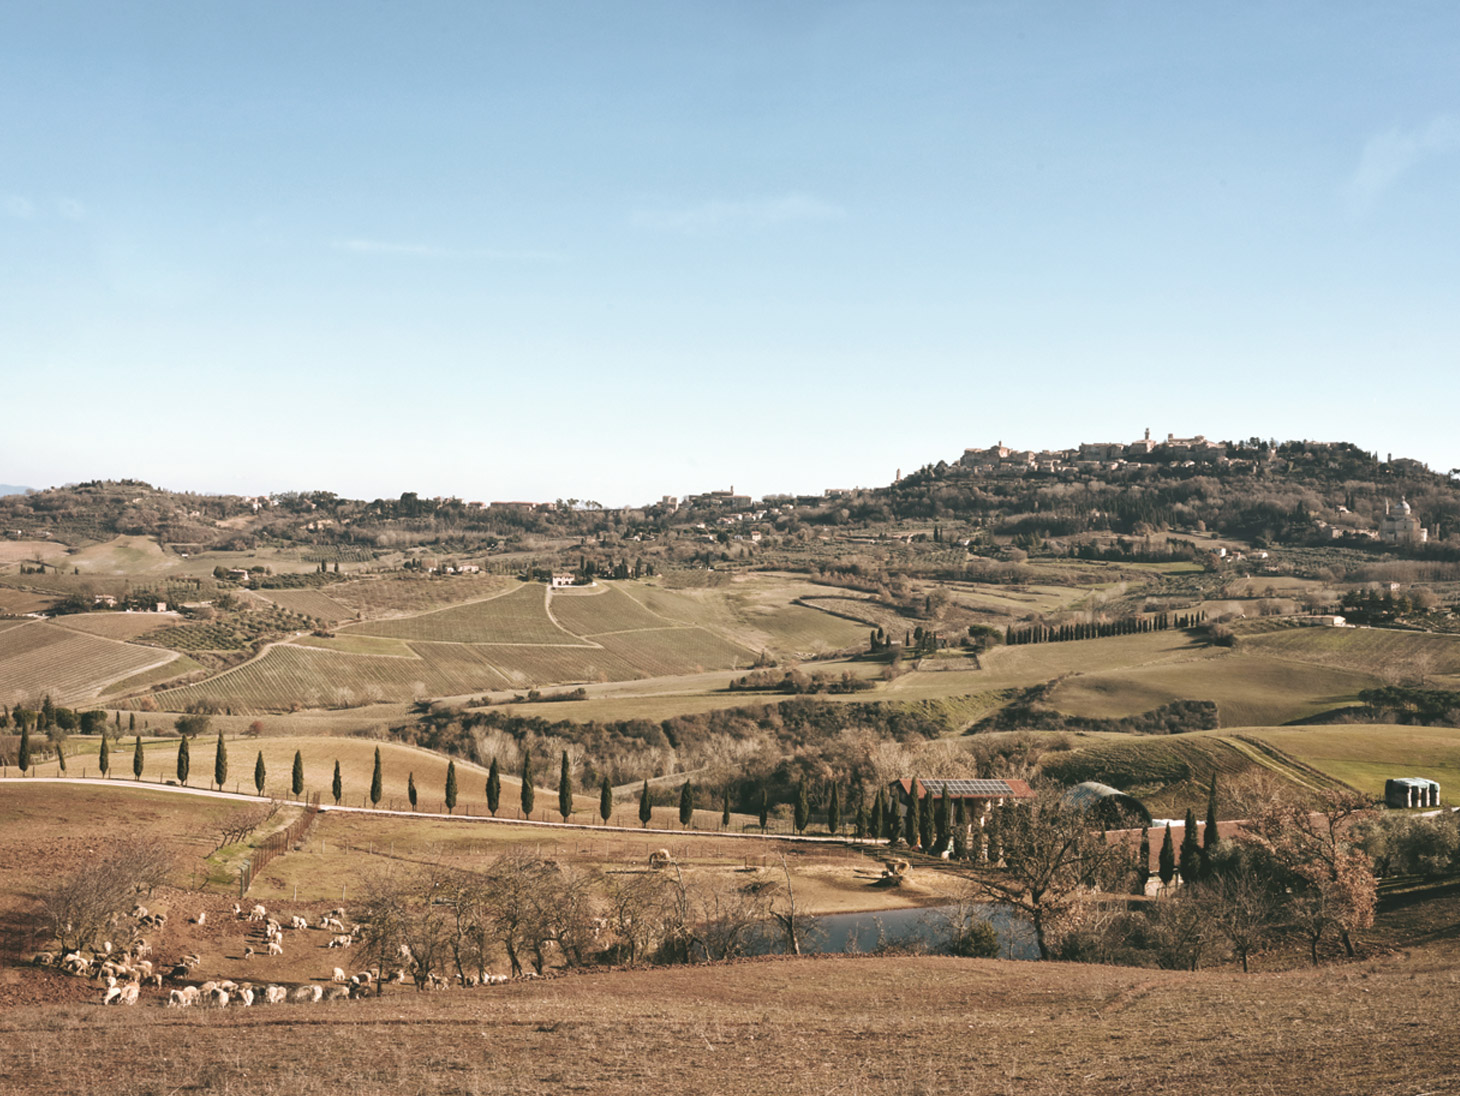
(562, 578)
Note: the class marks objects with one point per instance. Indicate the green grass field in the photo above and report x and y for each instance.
(1248, 689)
(1367, 650)
(1365, 755)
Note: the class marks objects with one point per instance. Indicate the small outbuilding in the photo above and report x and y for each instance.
(1411, 791)
(1109, 805)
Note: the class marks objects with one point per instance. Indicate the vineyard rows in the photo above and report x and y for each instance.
(516, 617)
(72, 667)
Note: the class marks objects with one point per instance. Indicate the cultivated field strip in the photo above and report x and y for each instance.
(606, 610)
(310, 603)
(39, 659)
(519, 616)
(663, 652)
(123, 626)
(1367, 650)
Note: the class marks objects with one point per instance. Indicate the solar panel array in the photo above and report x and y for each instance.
(967, 787)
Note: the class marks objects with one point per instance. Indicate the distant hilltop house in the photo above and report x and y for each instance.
(563, 578)
(1400, 526)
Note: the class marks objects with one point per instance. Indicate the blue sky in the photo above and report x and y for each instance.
(613, 251)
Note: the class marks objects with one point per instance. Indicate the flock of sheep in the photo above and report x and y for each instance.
(124, 972)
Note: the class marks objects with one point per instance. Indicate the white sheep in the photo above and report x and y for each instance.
(297, 922)
(201, 918)
(334, 924)
(341, 941)
(182, 998)
(258, 913)
(113, 995)
(337, 993)
(276, 948)
(245, 997)
(276, 995)
(248, 952)
(218, 998)
(130, 993)
(338, 975)
(142, 948)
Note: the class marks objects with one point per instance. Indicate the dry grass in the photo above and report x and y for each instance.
(863, 1026)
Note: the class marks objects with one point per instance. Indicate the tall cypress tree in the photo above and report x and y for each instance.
(377, 787)
(61, 756)
(131, 722)
(337, 787)
(834, 811)
(297, 776)
(605, 800)
(494, 788)
(859, 821)
(892, 818)
(942, 820)
(183, 761)
(875, 823)
(1143, 861)
(104, 756)
(803, 809)
(912, 821)
(686, 803)
(1166, 865)
(725, 806)
(765, 807)
(411, 789)
(259, 773)
(137, 759)
(529, 793)
(450, 787)
(565, 789)
(1210, 837)
(646, 805)
(925, 823)
(1190, 863)
(220, 762)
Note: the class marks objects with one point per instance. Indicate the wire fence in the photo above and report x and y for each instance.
(276, 844)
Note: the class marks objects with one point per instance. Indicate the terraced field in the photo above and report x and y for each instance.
(37, 658)
(518, 616)
(606, 609)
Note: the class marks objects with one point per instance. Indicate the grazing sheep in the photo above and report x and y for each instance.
(337, 993)
(159, 919)
(276, 948)
(182, 998)
(660, 858)
(113, 995)
(338, 975)
(245, 997)
(200, 919)
(258, 913)
(218, 998)
(340, 941)
(130, 993)
(139, 911)
(142, 949)
(398, 978)
(44, 959)
(276, 995)
(207, 988)
(153, 980)
(308, 993)
(237, 910)
(297, 922)
(248, 953)
(497, 980)
(365, 977)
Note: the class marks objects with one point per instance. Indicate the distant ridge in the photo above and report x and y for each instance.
(12, 489)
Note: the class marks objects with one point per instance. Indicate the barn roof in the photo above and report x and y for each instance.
(970, 789)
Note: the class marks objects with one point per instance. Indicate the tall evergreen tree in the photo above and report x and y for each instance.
(912, 821)
(337, 787)
(925, 823)
(994, 836)
(220, 762)
(686, 803)
(529, 793)
(892, 819)
(494, 788)
(765, 807)
(942, 821)
(565, 789)
(605, 800)
(451, 787)
(48, 713)
(61, 756)
(1166, 865)
(875, 823)
(725, 806)
(377, 782)
(131, 722)
(104, 756)
(183, 761)
(1210, 838)
(1190, 863)
(297, 776)
(834, 811)
(137, 759)
(411, 793)
(1143, 861)
(259, 773)
(859, 821)
(646, 805)
(803, 809)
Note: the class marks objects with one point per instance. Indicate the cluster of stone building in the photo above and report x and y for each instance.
(1000, 459)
